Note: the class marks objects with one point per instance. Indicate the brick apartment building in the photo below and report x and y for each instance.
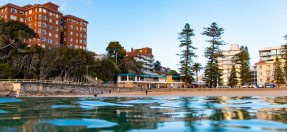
(50, 24)
(145, 57)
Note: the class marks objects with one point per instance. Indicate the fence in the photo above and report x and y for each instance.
(56, 82)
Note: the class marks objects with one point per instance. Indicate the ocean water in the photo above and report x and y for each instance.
(141, 114)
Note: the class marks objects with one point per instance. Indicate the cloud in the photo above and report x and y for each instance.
(88, 2)
(63, 6)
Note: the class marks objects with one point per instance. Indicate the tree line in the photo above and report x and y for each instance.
(212, 71)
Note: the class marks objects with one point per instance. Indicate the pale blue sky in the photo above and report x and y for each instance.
(155, 23)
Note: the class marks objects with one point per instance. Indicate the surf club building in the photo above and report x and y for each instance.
(149, 81)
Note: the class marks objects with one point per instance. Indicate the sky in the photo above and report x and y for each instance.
(256, 24)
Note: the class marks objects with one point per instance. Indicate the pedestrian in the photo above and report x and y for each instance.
(102, 91)
(95, 95)
(145, 91)
(110, 91)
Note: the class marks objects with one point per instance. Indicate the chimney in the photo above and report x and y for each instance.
(132, 49)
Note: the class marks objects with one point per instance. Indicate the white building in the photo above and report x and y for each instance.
(226, 63)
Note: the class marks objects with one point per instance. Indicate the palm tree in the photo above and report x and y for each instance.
(197, 67)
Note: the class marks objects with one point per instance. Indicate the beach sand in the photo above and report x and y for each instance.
(187, 94)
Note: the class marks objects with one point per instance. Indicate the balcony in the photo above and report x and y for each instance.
(149, 73)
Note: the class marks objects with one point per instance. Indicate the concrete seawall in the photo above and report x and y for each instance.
(50, 89)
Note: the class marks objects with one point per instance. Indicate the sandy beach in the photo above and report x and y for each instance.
(187, 94)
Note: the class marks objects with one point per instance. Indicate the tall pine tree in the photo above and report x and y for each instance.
(284, 56)
(212, 72)
(187, 53)
(278, 75)
(233, 77)
(243, 59)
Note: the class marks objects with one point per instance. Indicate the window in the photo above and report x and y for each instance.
(50, 34)
(56, 22)
(71, 39)
(13, 17)
(39, 30)
(65, 33)
(40, 9)
(44, 17)
(64, 26)
(260, 73)
(268, 67)
(84, 48)
(6, 17)
(261, 80)
(76, 46)
(50, 27)
(50, 20)
(71, 20)
(81, 23)
(35, 9)
(56, 42)
(49, 41)
(76, 40)
(43, 39)
(77, 34)
(260, 67)
(29, 25)
(80, 41)
(30, 18)
(30, 12)
(80, 47)
(39, 16)
(71, 33)
(57, 15)
(84, 42)
(77, 22)
(56, 35)
(2, 11)
(71, 45)
(84, 24)
(56, 29)
(44, 24)
(51, 13)
(44, 10)
(64, 39)
(65, 20)
(13, 10)
(43, 31)
(80, 29)
(84, 36)
(71, 26)
(39, 23)
(80, 35)
(35, 16)
(21, 19)
(21, 13)
(76, 28)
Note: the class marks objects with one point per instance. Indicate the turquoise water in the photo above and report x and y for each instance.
(140, 114)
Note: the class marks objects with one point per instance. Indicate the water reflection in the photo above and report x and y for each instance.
(144, 114)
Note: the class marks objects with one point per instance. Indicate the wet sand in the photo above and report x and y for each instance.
(187, 94)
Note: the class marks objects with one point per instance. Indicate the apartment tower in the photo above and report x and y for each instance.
(145, 57)
(264, 67)
(48, 22)
(226, 63)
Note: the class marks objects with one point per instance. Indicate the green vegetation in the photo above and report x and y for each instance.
(196, 67)
(187, 53)
(157, 65)
(278, 74)
(212, 72)
(115, 49)
(232, 81)
(243, 59)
